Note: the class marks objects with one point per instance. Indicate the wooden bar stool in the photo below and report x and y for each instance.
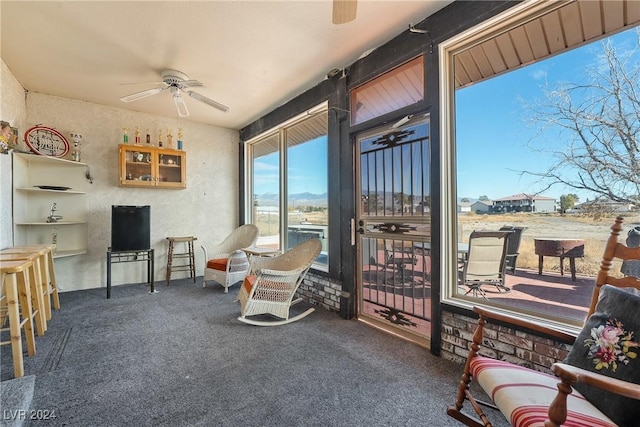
(16, 296)
(52, 288)
(35, 283)
(189, 256)
(40, 266)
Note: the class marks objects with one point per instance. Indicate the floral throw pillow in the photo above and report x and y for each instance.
(609, 344)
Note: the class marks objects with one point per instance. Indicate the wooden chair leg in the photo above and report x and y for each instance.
(11, 295)
(38, 290)
(465, 382)
(51, 280)
(26, 309)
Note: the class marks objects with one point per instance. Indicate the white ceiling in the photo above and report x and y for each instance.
(252, 56)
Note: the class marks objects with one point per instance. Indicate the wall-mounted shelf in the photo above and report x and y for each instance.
(32, 205)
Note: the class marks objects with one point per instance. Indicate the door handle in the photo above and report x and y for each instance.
(352, 223)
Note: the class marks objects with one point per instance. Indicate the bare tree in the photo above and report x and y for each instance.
(600, 122)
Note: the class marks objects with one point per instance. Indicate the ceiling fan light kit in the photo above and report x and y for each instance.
(177, 82)
(178, 100)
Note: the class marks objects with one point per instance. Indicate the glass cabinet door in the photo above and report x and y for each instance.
(171, 168)
(136, 167)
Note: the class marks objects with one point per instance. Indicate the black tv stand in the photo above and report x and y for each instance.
(115, 257)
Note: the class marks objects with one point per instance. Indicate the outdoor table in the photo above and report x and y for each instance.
(561, 248)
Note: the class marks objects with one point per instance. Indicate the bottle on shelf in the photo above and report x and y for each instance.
(180, 139)
(125, 135)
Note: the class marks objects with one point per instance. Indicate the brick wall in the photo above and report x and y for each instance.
(499, 342)
(321, 291)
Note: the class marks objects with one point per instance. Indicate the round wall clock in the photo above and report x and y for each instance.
(46, 141)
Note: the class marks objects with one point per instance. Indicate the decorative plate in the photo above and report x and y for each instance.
(52, 187)
(46, 141)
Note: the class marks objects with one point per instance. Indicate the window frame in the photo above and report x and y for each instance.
(281, 131)
(499, 24)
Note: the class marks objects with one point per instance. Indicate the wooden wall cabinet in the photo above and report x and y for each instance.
(38, 183)
(152, 167)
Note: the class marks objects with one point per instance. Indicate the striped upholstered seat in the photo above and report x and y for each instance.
(523, 395)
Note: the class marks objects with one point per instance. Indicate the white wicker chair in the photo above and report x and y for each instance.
(272, 284)
(226, 262)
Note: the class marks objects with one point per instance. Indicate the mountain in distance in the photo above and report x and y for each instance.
(299, 199)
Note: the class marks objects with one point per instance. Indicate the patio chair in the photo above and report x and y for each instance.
(273, 282)
(592, 389)
(228, 263)
(513, 246)
(632, 267)
(485, 262)
(397, 257)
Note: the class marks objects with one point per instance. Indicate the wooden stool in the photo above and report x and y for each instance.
(191, 266)
(41, 270)
(50, 271)
(35, 286)
(17, 297)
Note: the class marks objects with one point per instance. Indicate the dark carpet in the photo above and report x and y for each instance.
(180, 357)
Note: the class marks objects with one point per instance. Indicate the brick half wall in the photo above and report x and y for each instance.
(321, 291)
(500, 342)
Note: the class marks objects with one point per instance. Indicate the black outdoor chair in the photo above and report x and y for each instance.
(513, 245)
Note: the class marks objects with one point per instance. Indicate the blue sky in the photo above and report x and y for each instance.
(307, 169)
(493, 136)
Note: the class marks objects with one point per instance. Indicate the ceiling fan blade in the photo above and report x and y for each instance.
(143, 94)
(191, 83)
(207, 101)
(141, 83)
(178, 100)
(344, 11)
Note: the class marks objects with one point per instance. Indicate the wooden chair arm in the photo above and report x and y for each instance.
(518, 321)
(577, 375)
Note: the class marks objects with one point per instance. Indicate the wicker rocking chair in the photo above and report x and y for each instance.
(272, 283)
(226, 262)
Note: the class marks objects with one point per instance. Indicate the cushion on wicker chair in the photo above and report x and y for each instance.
(608, 345)
(523, 395)
(248, 282)
(218, 264)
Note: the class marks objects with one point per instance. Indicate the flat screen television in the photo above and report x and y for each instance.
(130, 228)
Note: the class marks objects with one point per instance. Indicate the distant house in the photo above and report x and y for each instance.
(482, 206)
(525, 203)
(464, 206)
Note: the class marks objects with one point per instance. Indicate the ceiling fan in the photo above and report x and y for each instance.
(177, 83)
(344, 11)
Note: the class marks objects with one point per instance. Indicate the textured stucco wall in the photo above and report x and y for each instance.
(13, 110)
(207, 208)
